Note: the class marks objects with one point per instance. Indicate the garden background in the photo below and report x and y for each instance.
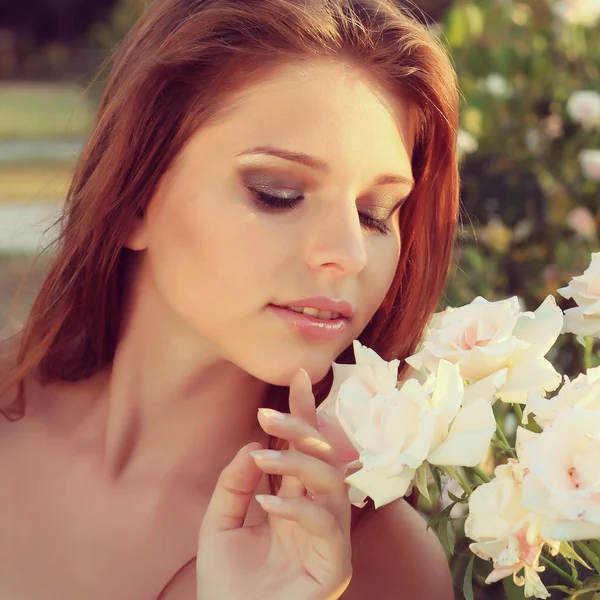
(530, 153)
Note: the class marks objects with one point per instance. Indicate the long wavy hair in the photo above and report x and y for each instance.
(173, 72)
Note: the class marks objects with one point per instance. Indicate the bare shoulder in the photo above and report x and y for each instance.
(396, 558)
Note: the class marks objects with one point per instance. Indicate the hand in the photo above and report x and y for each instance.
(302, 549)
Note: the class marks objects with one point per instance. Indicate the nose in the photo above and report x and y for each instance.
(336, 240)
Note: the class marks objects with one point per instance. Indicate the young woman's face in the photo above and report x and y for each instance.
(291, 200)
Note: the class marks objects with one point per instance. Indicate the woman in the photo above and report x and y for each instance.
(267, 180)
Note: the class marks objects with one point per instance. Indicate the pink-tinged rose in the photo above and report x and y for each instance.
(392, 433)
(584, 107)
(370, 376)
(395, 430)
(590, 164)
(584, 320)
(583, 391)
(505, 532)
(562, 481)
(483, 338)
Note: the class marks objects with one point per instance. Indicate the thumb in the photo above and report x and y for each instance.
(233, 493)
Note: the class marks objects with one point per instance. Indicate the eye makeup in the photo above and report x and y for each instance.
(273, 191)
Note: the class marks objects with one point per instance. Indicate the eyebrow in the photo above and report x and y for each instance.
(320, 165)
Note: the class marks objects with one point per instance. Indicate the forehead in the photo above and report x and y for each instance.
(326, 107)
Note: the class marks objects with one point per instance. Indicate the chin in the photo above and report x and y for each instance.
(316, 364)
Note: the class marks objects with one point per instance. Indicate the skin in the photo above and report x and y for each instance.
(144, 455)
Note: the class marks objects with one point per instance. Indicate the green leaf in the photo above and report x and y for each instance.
(421, 481)
(462, 500)
(468, 580)
(451, 537)
(442, 534)
(437, 478)
(592, 557)
(594, 546)
(511, 590)
(569, 553)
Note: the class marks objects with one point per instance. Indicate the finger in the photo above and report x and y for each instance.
(301, 436)
(302, 399)
(233, 493)
(329, 537)
(324, 481)
(315, 519)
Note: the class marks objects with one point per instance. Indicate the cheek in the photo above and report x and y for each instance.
(383, 262)
(207, 252)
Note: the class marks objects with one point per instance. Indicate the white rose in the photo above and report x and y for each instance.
(583, 107)
(483, 338)
(396, 430)
(585, 290)
(505, 532)
(497, 86)
(578, 12)
(561, 483)
(590, 164)
(584, 391)
(464, 420)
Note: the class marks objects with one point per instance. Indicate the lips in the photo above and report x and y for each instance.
(311, 327)
(320, 307)
(315, 312)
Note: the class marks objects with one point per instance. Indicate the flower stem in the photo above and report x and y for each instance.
(518, 412)
(481, 474)
(464, 484)
(571, 580)
(504, 443)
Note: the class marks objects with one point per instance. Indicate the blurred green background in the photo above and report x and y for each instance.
(529, 145)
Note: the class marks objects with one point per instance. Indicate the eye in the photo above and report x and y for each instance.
(373, 224)
(290, 199)
(280, 199)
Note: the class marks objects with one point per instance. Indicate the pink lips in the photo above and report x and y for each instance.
(314, 327)
(335, 306)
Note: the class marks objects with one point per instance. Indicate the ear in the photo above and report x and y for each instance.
(137, 238)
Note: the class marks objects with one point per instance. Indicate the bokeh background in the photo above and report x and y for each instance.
(529, 146)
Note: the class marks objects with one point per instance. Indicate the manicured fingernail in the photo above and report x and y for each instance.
(269, 413)
(307, 377)
(266, 454)
(266, 500)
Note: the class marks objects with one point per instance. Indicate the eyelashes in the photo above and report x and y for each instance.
(271, 201)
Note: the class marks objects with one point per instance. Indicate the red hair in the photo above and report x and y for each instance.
(173, 72)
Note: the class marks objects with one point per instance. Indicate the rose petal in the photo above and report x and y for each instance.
(381, 489)
(469, 438)
(530, 376)
(543, 330)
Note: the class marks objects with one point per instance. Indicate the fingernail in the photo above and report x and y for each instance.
(266, 500)
(269, 413)
(306, 375)
(266, 454)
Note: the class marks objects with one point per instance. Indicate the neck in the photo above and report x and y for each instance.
(174, 409)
